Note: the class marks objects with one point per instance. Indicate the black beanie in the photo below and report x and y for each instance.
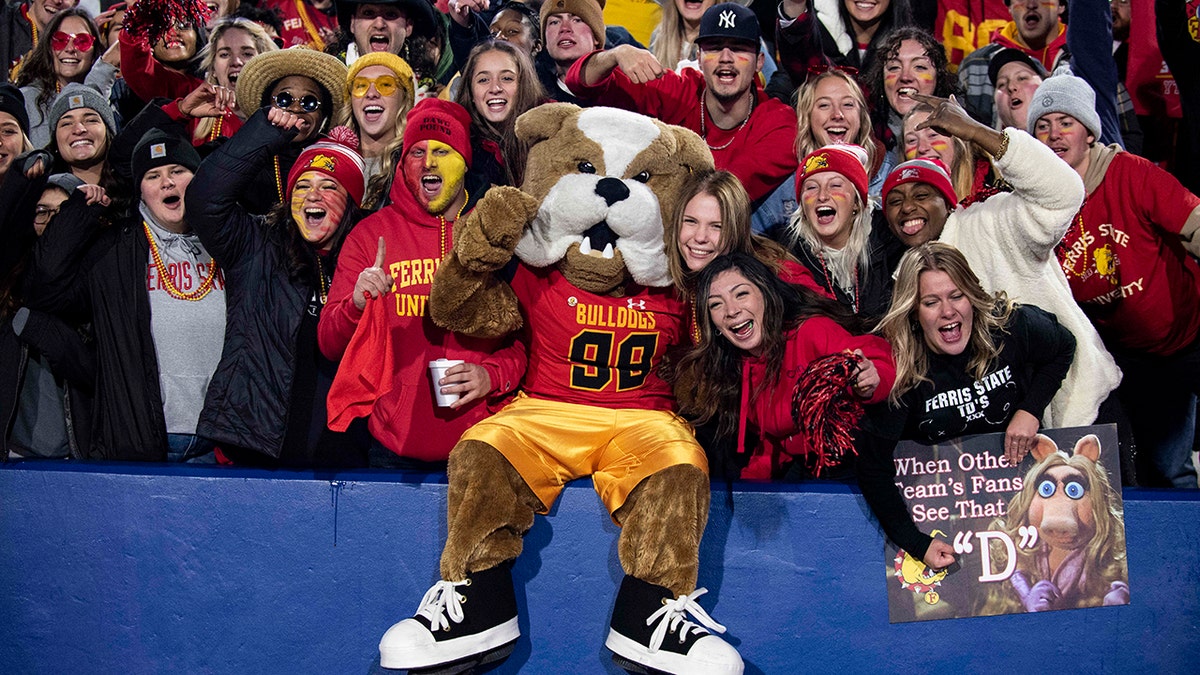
(13, 103)
(159, 148)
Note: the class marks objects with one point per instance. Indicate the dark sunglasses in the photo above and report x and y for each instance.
(60, 41)
(308, 103)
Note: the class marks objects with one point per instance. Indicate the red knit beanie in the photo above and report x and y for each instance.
(846, 159)
(931, 171)
(335, 156)
(436, 120)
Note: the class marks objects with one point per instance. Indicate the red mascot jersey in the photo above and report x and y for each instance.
(597, 349)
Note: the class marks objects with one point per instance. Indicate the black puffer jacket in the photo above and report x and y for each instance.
(251, 394)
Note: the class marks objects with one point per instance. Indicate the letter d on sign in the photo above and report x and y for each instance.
(985, 552)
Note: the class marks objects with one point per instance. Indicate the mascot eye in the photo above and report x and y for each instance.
(1074, 490)
(586, 167)
(643, 177)
(1046, 489)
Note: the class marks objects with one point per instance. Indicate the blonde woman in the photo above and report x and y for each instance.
(831, 232)
(966, 363)
(379, 94)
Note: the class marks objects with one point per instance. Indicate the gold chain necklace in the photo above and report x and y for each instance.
(167, 283)
(704, 127)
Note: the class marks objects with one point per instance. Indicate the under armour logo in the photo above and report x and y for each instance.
(726, 19)
(639, 304)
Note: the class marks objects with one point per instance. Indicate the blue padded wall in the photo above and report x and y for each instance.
(119, 569)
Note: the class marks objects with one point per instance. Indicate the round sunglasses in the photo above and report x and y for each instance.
(308, 103)
(60, 41)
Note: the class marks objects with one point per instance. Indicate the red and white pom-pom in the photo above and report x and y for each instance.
(824, 408)
(344, 135)
(148, 20)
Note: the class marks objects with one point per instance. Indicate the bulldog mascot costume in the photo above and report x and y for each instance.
(592, 298)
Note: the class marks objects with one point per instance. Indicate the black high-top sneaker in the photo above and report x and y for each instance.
(471, 621)
(650, 631)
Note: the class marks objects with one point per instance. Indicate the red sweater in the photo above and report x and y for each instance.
(771, 410)
(1143, 291)
(404, 417)
(762, 154)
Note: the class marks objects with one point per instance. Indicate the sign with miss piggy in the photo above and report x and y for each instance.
(1048, 534)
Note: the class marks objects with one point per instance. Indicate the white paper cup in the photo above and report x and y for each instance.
(437, 370)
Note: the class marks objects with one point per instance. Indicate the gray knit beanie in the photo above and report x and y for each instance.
(1068, 95)
(77, 95)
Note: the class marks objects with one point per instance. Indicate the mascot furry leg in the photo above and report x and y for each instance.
(593, 292)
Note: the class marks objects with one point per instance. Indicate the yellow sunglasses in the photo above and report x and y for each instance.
(386, 85)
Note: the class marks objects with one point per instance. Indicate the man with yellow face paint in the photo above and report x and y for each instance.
(383, 278)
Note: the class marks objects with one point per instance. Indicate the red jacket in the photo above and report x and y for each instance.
(770, 411)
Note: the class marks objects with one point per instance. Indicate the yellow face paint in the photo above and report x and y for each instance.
(434, 172)
(318, 203)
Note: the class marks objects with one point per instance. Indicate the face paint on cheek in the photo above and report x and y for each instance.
(741, 59)
(890, 78)
(452, 168)
(925, 76)
(939, 146)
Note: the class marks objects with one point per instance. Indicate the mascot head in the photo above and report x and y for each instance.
(607, 180)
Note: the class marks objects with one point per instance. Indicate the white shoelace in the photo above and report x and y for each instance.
(442, 601)
(674, 613)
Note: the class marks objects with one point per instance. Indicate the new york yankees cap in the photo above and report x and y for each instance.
(729, 20)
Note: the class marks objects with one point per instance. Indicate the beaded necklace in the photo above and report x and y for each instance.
(830, 285)
(32, 24)
(442, 226)
(165, 277)
(322, 281)
(704, 127)
(278, 179)
(317, 42)
(216, 133)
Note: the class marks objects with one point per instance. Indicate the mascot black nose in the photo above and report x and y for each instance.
(612, 190)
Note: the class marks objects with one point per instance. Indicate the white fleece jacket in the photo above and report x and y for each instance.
(1009, 241)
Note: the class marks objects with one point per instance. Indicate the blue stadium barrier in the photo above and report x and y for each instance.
(108, 568)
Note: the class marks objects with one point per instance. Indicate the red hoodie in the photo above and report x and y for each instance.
(404, 417)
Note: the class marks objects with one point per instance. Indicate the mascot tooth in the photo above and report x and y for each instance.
(593, 297)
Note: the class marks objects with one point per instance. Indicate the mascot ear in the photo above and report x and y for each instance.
(1043, 448)
(1089, 446)
(543, 121)
(690, 150)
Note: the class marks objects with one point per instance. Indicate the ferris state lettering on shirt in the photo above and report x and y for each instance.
(415, 272)
(987, 401)
(184, 276)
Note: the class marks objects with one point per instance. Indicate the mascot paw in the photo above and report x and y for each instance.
(485, 239)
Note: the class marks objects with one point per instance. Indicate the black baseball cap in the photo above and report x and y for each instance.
(731, 21)
(1008, 55)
